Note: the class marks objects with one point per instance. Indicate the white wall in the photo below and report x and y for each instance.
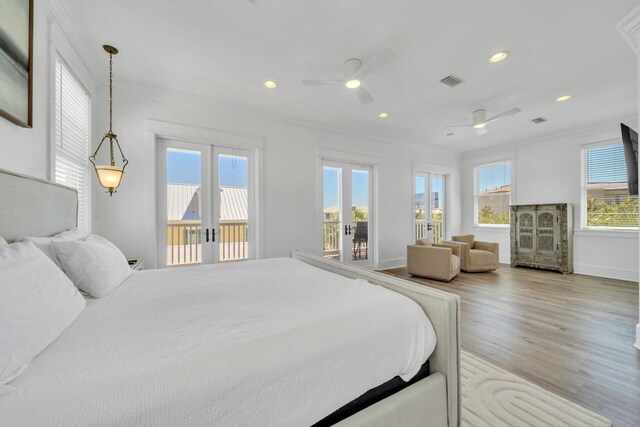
(549, 171)
(289, 174)
(27, 150)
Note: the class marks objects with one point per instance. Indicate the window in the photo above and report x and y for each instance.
(607, 202)
(493, 193)
(72, 127)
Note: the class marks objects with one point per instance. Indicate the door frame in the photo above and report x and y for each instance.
(426, 169)
(352, 159)
(157, 130)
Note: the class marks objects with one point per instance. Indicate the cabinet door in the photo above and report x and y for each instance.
(547, 233)
(525, 232)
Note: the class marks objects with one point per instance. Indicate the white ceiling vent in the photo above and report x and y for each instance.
(451, 80)
(539, 120)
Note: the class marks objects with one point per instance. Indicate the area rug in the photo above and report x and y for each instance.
(492, 397)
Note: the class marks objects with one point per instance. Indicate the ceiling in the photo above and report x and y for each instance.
(226, 49)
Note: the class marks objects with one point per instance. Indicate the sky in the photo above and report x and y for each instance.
(331, 187)
(183, 167)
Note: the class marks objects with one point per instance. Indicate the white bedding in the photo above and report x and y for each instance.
(263, 343)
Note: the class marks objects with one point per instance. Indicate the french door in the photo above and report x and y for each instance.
(347, 212)
(205, 204)
(429, 206)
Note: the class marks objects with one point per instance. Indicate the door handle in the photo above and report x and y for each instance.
(207, 235)
(429, 226)
(346, 233)
(349, 230)
(213, 235)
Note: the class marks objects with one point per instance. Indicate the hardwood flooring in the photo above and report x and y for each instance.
(572, 335)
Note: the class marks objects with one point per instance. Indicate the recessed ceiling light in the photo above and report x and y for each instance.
(383, 115)
(353, 84)
(499, 56)
(270, 84)
(479, 125)
(563, 98)
(450, 133)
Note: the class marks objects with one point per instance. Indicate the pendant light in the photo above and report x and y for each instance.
(109, 176)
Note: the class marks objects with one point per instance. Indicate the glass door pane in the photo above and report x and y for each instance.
(436, 208)
(420, 208)
(184, 206)
(232, 222)
(360, 207)
(331, 207)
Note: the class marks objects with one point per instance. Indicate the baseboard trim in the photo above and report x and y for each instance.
(392, 263)
(608, 272)
(637, 344)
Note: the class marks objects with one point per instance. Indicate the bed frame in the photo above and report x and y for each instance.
(34, 207)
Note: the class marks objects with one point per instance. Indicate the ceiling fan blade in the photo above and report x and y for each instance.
(364, 96)
(507, 113)
(481, 131)
(322, 82)
(378, 60)
(459, 126)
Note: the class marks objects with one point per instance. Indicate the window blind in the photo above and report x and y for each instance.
(493, 193)
(72, 128)
(494, 176)
(608, 203)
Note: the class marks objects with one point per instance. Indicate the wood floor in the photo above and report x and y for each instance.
(572, 335)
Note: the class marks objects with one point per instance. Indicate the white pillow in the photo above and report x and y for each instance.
(3, 243)
(95, 265)
(37, 303)
(44, 243)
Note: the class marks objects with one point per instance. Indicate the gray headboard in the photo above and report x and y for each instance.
(34, 207)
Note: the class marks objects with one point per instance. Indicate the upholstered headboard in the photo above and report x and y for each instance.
(34, 207)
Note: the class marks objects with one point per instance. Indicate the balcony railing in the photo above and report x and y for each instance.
(184, 242)
(422, 232)
(333, 239)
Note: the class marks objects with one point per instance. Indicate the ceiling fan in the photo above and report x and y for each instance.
(480, 120)
(354, 71)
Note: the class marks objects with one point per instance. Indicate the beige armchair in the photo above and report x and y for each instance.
(476, 256)
(437, 261)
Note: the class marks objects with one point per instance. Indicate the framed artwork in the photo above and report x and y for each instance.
(16, 61)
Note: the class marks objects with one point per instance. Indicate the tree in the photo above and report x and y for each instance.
(612, 214)
(488, 216)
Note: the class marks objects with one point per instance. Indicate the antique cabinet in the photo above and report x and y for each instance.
(542, 236)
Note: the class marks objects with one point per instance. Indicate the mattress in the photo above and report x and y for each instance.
(270, 342)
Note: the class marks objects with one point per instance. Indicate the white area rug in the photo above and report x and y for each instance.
(492, 397)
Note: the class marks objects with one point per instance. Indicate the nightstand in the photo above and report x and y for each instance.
(136, 264)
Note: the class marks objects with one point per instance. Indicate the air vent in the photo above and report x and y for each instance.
(451, 81)
(539, 120)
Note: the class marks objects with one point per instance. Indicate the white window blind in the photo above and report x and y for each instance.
(608, 203)
(72, 138)
(493, 193)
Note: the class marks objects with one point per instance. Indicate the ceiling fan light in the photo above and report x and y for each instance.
(353, 84)
(270, 84)
(479, 125)
(497, 57)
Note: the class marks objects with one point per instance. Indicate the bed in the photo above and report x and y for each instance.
(273, 342)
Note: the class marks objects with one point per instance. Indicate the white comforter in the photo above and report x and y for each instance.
(265, 343)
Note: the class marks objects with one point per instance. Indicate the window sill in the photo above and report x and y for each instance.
(607, 232)
(492, 227)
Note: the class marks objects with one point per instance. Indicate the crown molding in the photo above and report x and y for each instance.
(603, 127)
(208, 102)
(629, 28)
(60, 14)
